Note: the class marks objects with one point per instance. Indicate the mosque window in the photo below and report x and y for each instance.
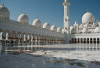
(90, 22)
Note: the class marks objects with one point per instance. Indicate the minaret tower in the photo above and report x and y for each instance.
(66, 5)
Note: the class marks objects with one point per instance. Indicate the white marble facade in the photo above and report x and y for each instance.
(21, 30)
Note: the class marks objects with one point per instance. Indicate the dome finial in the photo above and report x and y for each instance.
(87, 10)
(37, 17)
(24, 13)
(3, 4)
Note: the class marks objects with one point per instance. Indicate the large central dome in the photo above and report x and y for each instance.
(4, 11)
(88, 18)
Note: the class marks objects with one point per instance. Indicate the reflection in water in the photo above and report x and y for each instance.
(74, 54)
(33, 61)
(70, 47)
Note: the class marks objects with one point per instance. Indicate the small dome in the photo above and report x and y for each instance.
(63, 30)
(46, 26)
(37, 22)
(85, 30)
(97, 30)
(59, 30)
(4, 11)
(23, 19)
(88, 18)
(72, 30)
(53, 28)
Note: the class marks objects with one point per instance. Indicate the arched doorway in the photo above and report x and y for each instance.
(91, 40)
(81, 40)
(84, 40)
(13, 38)
(72, 40)
(88, 40)
(75, 40)
(78, 40)
(98, 40)
(94, 40)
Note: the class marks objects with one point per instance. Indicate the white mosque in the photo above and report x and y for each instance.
(21, 31)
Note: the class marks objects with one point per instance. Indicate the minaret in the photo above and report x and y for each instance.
(66, 5)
